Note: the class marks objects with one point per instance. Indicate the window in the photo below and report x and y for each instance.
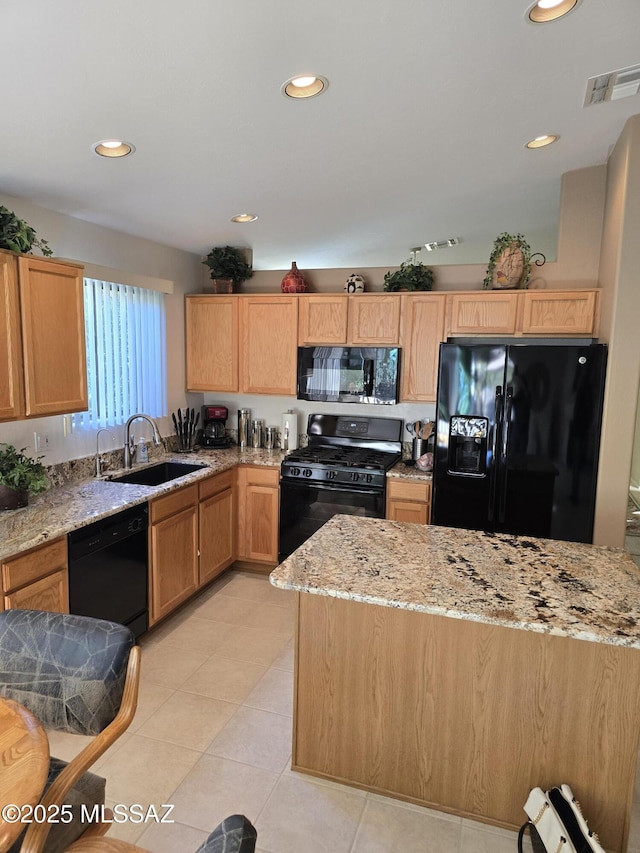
(126, 353)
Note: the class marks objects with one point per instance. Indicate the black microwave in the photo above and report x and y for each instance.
(349, 374)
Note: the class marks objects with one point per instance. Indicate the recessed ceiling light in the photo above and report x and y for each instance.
(541, 141)
(304, 86)
(113, 148)
(550, 10)
(244, 217)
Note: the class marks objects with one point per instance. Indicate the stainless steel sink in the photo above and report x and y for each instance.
(155, 475)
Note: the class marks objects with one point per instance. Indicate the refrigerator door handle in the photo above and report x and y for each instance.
(505, 454)
(495, 444)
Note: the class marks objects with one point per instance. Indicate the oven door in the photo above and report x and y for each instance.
(304, 508)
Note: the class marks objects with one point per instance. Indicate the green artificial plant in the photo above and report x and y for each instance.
(226, 262)
(501, 243)
(17, 236)
(410, 276)
(21, 472)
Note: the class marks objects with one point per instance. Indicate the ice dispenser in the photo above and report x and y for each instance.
(468, 445)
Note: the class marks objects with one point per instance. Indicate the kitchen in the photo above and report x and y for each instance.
(590, 198)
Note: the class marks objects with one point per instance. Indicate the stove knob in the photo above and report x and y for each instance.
(369, 478)
(307, 472)
(295, 472)
(331, 475)
(355, 476)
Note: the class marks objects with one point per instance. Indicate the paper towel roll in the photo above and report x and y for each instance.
(289, 435)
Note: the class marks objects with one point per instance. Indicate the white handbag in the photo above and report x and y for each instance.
(556, 823)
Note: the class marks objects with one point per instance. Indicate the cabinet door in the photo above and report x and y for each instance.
(571, 313)
(49, 593)
(174, 561)
(269, 344)
(257, 515)
(409, 501)
(212, 343)
(322, 319)
(11, 402)
(216, 531)
(414, 513)
(53, 343)
(482, 313)
(421, 332)
(374, 320)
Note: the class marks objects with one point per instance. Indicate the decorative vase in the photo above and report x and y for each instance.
(509, 270)
(294, 282)
(221, 285)
(354, 284)
(13, 498)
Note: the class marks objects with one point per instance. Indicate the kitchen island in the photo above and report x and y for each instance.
(458, 669)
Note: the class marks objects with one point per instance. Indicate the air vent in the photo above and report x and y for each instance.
(612, 86)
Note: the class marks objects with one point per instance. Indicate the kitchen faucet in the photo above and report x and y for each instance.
(129, 444)
(98, 462)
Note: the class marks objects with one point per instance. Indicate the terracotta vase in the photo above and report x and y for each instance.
(294, 282)
(220, 285)
(13, 498)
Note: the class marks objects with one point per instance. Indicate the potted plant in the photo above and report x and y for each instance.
(410, 276)
(509, 263)
(19, 476)
(17, 236)
(227, 268)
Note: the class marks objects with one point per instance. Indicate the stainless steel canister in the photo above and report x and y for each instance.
(244, 427)
(257, 432)
(271, 438)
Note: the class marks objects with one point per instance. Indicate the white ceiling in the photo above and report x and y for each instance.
(419, 137)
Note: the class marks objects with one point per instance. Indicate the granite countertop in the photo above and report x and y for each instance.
(401, 471)
(60, 510)
(563, 588)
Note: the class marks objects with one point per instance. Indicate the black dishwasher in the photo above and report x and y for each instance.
(108, 569)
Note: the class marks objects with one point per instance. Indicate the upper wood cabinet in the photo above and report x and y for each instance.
(322, 319)
(421, 332)
(212, 343)
(42, 344)
(525, 312)
(569, 313)
(268, 344)
(340, 319)
(493, 313)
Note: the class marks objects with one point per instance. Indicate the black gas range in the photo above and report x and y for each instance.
(342, 470)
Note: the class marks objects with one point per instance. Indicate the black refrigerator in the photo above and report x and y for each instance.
(518, 437)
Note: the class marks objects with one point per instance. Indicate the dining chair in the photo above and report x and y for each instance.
(76, 674)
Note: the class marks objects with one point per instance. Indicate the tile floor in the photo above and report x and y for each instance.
(212, 736)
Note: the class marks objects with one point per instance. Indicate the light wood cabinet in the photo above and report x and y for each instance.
(216, 526)
(38, 579)
(212, 343)
(322, 319)
(374, 320)
(408, 500)
(173, 551)
(257, 490)
(421, 332)
(570, 313)
(525, 312)
(268, 344)
(42, 343)
(493, 313)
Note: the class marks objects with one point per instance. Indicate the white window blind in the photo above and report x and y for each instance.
(126, 353)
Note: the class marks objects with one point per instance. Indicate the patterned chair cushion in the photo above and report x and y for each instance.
(67, 670)
(236, 834)
(89, 791)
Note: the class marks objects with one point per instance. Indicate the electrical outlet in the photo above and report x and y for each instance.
(45, 441)
(36, 441)
(40, 441)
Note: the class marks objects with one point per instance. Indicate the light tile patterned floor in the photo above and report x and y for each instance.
(212, 736)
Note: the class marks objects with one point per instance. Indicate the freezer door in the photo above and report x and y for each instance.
(550, 441)
(468, 410)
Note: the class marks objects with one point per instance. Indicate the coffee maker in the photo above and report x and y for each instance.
(214, 433)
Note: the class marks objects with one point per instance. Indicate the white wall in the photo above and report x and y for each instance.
(83, 241)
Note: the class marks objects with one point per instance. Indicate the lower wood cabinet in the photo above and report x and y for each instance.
(257, 490)
(38, 579)
(216, 526)
(409, 500)
(173, 551)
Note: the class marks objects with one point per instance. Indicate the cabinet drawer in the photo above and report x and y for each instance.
(408, 490)
(34, 564)
(173, 503)
(262, 476)
(49, 593)
(213, 485)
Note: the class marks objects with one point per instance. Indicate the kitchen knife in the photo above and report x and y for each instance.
(175, 423)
